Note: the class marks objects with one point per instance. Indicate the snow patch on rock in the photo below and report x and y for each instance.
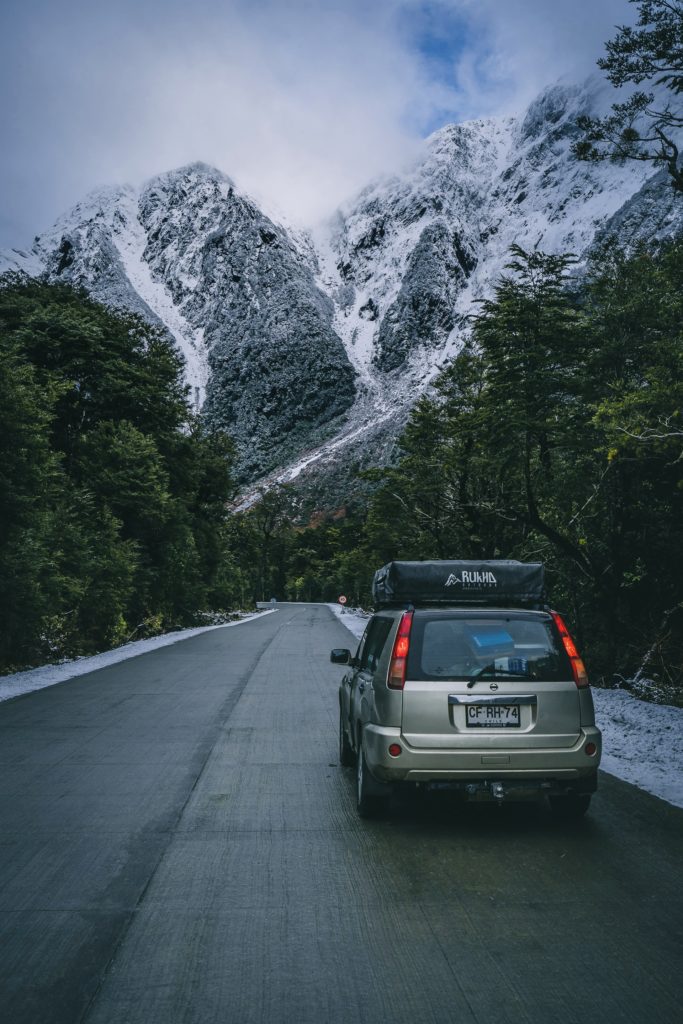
(130, 240)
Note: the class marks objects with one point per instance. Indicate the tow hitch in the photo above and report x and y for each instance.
(484, 790)
(497, 791)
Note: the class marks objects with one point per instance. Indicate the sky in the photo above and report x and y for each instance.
(300, 102)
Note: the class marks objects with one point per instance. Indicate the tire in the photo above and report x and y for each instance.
(346, 757)
(570, 808)
(367, 803)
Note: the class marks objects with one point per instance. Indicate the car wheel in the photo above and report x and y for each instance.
(367, 802)
(345, 748)
(570, 807)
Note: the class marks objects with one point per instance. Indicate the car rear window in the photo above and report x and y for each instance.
(452, 645)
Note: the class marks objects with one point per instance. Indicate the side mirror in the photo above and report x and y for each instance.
(340, 656)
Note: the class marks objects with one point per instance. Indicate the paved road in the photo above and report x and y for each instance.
(178, 844)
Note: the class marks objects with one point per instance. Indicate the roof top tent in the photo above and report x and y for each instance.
(468, 583)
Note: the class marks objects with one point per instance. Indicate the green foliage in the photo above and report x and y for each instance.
(262, 538)
(555, 435)
(29, 483)
(638, 129)
(113, 501)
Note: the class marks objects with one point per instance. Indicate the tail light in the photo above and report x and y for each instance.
(399, 655)
(578, 667)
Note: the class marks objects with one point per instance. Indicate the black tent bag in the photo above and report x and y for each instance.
(496, 583)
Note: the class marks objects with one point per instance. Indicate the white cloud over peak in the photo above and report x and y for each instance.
(299, 102)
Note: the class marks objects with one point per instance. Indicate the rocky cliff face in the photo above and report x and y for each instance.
(410, 256)
(277, 371)
(310, 346)
(236, 291)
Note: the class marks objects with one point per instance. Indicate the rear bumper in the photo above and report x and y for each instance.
(565, 766)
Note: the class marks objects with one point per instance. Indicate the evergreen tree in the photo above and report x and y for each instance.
(30, 488)
(114, 509)
(634, 390)
(643, 128)
(557, 436)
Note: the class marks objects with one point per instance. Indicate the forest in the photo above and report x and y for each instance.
(113, 522)
(556, 435)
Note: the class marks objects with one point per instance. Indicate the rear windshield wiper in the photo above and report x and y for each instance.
(498, 671)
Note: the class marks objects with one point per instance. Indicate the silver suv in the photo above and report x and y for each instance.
(491, 701)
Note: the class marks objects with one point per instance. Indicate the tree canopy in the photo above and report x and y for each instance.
(647, 125)
(113, 516)
(554, 435)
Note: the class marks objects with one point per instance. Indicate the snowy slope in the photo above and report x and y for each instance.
(99, 245)
(235, 291)
(409, 256)
(406, 261)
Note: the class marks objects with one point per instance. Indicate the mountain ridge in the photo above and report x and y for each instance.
(310, 346)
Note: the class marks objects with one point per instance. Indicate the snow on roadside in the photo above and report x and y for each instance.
(48, 675)
(355, 619)
(642, 742)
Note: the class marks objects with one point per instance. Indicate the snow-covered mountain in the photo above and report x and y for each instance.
(411, 254)
(236, 291)
(310, 345)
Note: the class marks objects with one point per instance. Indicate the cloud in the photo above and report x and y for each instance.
(519, 46)
(300, 102)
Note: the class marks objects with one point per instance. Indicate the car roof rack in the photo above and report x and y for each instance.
(460, 583)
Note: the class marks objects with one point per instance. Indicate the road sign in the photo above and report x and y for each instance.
(342, 599)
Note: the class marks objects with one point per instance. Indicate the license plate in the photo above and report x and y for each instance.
(492, 716)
